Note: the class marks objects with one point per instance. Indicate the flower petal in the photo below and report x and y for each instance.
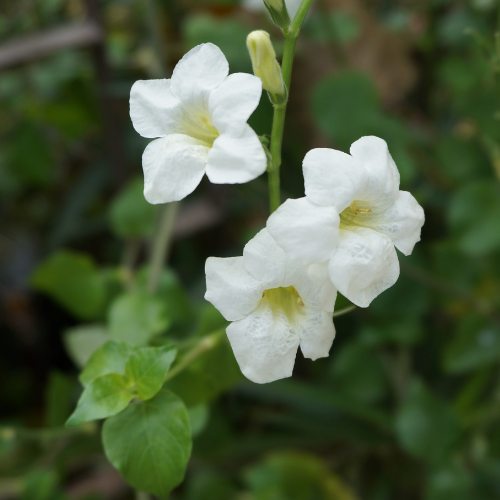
(332, 178)
(173, 167)
(235, 160)
(363, 265)
(265, 260)
(307, 232)
(382, 184)
(264, 346)
(233, 101)
(230, 288)
(201, 70)
(152, 108)
(316, 289)
(316, 334)
(402, 222)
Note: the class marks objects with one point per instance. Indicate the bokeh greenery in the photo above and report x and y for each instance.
(407, 406)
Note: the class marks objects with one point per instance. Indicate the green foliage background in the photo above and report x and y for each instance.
(407, 406)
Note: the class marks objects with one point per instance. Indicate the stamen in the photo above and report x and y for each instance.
(355, 209)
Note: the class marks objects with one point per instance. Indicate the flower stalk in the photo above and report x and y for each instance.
(204, 345)
(291, 34)
(161, 243)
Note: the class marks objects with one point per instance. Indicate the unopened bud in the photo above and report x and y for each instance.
(265, 65)
(279, 13)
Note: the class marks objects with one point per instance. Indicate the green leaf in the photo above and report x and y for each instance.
(296, 476)
(339, 27)
(147, 368)
(208, 484)
(72, 279)
(137, 317)
(451, 480)
(40, 485)
(477, 344)
(367, 385)
(150, 443)
(401, 332)
(460, 160)
(226, 33)
(131, 215)
(417, 301)
(473, 214)
(103, 397)
(358, 113)
(58, 398)
(426, 426)
(198, 417)
(31, 158)
(173, 295)
(346, 119)
(81, 341)
(110, 358)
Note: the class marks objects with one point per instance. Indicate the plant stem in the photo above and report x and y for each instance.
(274, 171)
(159, 249)
(290, 35)
(346, 310)
(204, 345)
(140, 495)
(300, 16)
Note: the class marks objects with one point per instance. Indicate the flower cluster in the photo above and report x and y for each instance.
(341, 236)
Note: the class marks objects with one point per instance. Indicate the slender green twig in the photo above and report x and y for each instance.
(159, 249)
(343, 311)
(204, 345)
(290, 35)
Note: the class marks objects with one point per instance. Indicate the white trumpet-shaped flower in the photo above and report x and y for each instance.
(275, 305)
(352, 216)
(200, 117)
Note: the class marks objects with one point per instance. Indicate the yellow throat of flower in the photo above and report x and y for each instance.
(284, 301)
(357, 214)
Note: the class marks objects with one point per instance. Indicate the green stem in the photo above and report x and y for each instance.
(275, 149)
(300, 16)
(159, 249)
(291, 34)
(341, 312)
(204, 345)
(140, 495)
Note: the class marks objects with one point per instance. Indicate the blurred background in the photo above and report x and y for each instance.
(407, 406)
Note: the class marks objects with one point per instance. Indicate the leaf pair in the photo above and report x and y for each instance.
(117, 373)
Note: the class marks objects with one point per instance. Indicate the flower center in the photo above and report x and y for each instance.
(358, 214)
(200, 126)
(284, 301)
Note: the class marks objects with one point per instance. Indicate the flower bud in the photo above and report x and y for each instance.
(265, 65)
(279, 13)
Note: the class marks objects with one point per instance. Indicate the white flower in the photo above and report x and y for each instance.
(200, 116)
(275, 305)
(351, 217)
